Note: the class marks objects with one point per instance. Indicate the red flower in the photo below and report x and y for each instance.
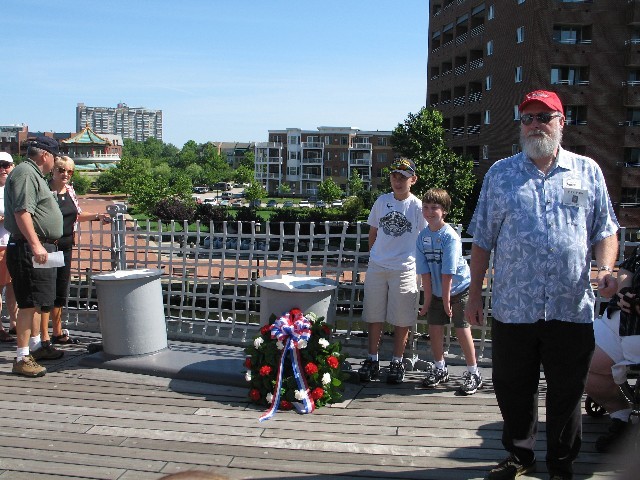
(285, 405)
(326, 330)
(310, 368)
(265, 329)
(332, 362)
(317, 393)
(247, 362)
(254, 394)
(265, 370)
(295, 313)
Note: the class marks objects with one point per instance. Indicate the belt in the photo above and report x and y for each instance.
(21, 238)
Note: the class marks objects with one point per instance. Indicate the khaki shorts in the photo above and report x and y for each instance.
(436, 315)
(622, 350)
(390, 296)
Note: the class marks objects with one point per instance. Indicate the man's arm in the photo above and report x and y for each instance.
(25, 224)
(474, 311)
(606, 252)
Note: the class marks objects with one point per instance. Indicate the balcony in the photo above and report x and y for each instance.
(360, 146)
(476, 31)
(312, 144)
(311, 161)
(84, 158)
(631, 93)
(473, 129)
(311, 176)
(360, 162)
(462, 69)
(269, 145)
(632, 58)
(459, 101)
(477, 63)
(633, 12)
(267, 176)
(475, 97)
(269, 160)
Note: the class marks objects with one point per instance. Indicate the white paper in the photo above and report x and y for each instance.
(54, 259)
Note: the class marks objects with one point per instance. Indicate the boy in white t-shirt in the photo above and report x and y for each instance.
(445, 281)
(390, 286)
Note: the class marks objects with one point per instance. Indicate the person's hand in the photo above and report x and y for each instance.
(474, 311)
(607, 284)
(447, 308)
(40, 254)
(624, 301)
(425, 308)
(105, 217)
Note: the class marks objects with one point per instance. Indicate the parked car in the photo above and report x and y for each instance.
(304, 204)
(224, 186)
(212, 201)
(288, 204)
(255, 203)
(336, 204)
(201, 189)
(320, 204)
(227, 195)
(225, 203)
(272, 203)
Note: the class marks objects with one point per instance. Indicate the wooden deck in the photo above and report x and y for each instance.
(84, 423)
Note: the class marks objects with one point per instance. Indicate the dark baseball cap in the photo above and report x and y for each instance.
(46, 143)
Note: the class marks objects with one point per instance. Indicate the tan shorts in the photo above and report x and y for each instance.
(5, 278)
(390, 296)
(622, 350)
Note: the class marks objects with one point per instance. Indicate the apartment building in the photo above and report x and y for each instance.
(484, 55)
(303, 159)
(136, 123)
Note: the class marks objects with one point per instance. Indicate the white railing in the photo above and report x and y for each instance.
(312, 144)
(209, 274)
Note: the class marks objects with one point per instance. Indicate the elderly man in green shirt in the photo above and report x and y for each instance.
(33, 218)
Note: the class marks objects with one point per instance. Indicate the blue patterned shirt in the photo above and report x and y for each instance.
(542, 228)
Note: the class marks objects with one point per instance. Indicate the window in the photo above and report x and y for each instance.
(487, 82)
(520, 2)
(491, 13)
(515, 149)
(630, 195)
(489, 48)
(518, 78)
(520, 34)
(292, 171)
(487, 117)
(516, 112)
(344, 140)
(383, 141)
(575, 114)
(572, 34)
(382, 157)
(561, 75)
(294, 140)
(276, 138)
(485, 152)
(327, 171)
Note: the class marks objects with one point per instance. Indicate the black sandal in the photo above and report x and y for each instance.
(63, 339)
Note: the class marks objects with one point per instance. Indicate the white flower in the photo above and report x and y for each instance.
(302, 343)
(257, 342)
(247, 376)
(323, 342)
(280, 345)
(301, 394)
(269, 397)
(326, 379)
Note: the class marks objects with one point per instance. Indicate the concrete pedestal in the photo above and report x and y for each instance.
(281, 293)
(131, 311)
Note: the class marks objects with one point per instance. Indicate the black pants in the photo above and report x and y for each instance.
(564, 350)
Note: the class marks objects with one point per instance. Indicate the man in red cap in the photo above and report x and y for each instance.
(543, 212)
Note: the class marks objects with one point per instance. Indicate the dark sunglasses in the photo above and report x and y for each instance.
(402, 165)
(527, 118)
(62, 170)
(6, 164)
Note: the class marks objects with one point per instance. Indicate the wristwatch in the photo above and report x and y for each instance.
(605, 268)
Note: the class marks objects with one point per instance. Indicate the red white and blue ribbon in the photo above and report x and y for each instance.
(294, 331)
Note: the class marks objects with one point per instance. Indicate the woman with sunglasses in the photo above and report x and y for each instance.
(6, 166)
(60, 185)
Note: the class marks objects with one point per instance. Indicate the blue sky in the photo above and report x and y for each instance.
(219, 70)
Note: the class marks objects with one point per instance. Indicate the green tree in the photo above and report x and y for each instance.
(255, 191)
(284, 189)
(329, 190)
(248, 160)
(421, 138)
(109, 182)
(355, 184)
(81, 183)
(243, 175)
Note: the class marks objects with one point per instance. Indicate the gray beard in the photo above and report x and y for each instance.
(538, 147)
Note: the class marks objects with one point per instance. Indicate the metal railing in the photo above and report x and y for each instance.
(209, 275)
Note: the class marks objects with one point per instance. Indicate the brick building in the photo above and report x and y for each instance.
(305, 158)
(485, 55)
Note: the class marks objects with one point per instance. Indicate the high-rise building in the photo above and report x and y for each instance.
(485, 55)
(136, 123)
(303, 159)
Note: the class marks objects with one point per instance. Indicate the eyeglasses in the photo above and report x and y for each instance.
(403, 165)
(6, 165)
(527, 118)
(62, 170)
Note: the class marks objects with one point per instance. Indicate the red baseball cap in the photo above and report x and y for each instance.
(548, 99)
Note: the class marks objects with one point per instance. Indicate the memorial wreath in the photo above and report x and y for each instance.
(292, 364)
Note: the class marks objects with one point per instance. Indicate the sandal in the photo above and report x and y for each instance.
(5, 337)
(63, 339)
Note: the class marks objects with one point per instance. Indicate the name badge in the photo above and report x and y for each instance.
(575, 197)
(571, 183)
(426, 241)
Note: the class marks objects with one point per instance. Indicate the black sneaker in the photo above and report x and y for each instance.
(47, 352)
(396, 372)
(510, 468)
(369, 370)
(436, 377)
(471, 382)
(618, 431)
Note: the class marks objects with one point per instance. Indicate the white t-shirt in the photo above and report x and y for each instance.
(4, 234)
(398, 223)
